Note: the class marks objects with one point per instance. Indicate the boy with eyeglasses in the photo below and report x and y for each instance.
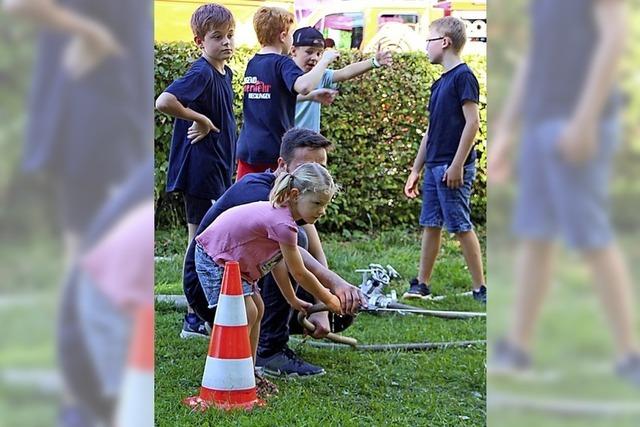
(447, 151)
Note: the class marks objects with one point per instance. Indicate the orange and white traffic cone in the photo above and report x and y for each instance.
(135, 407)
(228, 381)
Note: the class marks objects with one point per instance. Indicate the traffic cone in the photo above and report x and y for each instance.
(228, 381)
(135, 405)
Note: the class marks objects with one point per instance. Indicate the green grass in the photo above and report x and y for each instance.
(436, 388)
(572, 343)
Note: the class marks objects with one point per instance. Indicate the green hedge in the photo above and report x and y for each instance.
(376, 123)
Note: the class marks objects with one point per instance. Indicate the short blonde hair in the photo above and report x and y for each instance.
(269, 22)
(308, 177)
(451, 27)
(210, 16)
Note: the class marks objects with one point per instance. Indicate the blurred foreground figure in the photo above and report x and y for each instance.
(90, 112)
(88, 138)
(565, 96)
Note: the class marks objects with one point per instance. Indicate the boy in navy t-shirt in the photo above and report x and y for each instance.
(272, 82)
(446, 149)
(203, 149)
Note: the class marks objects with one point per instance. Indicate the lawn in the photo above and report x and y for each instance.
(435, 388)
(573, 349)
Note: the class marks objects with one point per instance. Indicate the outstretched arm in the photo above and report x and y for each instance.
(382, 59)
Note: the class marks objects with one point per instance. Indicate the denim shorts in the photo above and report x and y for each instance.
(559, 199)
(210, 276)
(442, 205)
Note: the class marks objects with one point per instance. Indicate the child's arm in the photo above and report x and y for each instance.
(315, 246)
(323, 96)
(454, 174)
(411, 187)
(358, 68)
(281, 275)
(169, 104)
(306, 279)
(309, 81)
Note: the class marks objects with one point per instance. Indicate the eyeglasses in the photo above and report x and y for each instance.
(434, 39)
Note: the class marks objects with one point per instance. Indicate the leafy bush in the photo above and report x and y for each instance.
(376, 123)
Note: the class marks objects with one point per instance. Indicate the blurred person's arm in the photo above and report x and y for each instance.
(169, 104)
(578, 141)
(508, 121)
(92, 42)
(454, 173)
(411, 186)
(57, 17)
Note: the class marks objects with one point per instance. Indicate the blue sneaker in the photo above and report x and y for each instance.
(480, 295)
(287, 364)
(194, 327)
(417, 290)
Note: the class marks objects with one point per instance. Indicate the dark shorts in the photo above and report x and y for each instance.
(442, 205)
(196, 208)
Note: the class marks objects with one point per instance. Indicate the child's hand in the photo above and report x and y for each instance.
(453, 176)
(324, 96)
(384, 58)
(411, 187)
(86, 52)
(578, 142)
(329, 56)
(300, 305)
(333, 303)
(200, 128)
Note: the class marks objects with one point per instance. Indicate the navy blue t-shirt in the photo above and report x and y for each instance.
(446, 119)
(268, 106)
(556, 77)
(253, 187)
(203, 169)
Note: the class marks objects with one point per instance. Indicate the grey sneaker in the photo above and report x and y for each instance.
(417, 290)
(508, 359)
(287, 364)
(194, 327)
(480, 295)
(629, 369)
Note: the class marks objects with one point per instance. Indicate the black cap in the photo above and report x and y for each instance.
(308, 36)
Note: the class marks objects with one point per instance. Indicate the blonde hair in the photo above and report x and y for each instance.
(451, 27)
(269, 22)
(209, 17)
(308, 177)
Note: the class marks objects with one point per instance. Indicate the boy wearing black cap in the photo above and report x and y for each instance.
(308, 47)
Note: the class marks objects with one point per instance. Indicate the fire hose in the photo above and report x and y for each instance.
(340, 341)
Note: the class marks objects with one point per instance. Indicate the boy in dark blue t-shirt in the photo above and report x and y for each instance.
(272, 82)
(202, 154)
(446, 149)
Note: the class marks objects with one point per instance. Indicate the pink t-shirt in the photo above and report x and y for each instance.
(250, 234)
(121, 263)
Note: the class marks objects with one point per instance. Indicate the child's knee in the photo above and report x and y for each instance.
(259, 305)
(255, 309)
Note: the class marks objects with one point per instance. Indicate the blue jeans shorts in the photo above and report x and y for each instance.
(210, 276)
(442, 205)
(557, 199)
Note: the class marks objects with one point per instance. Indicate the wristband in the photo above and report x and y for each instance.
(375, 63)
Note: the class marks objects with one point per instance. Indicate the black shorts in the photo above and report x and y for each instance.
(196, 208)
